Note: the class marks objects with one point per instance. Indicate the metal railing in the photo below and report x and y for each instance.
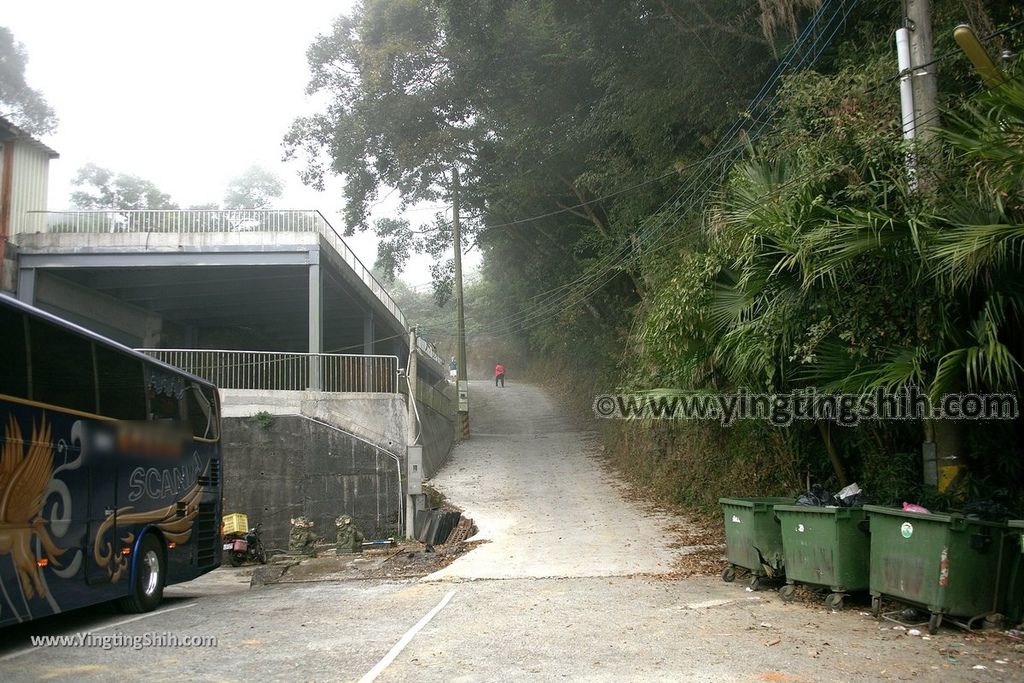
(439, 399)
(275, 371)
(207, 221)
(430, 350)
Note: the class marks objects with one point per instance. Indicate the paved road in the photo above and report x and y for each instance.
(566, 589)
(531, 484)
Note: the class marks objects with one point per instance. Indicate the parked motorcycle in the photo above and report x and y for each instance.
(242, 547)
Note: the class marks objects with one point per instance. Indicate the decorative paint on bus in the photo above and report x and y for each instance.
(61, 550)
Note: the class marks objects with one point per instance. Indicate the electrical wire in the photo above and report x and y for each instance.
(690, 195)
(540, 312)
(538, 315)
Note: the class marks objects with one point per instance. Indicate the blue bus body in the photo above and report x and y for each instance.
(101, 447)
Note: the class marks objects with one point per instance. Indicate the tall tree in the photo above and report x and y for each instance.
(21, 104)
(256, 188)
(398, 117)
(101, 188)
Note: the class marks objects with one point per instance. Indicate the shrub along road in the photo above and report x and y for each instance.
(575, 582)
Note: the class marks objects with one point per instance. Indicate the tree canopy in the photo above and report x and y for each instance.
(587, 135)
(21, 104)
(101, 188)
(256, 188)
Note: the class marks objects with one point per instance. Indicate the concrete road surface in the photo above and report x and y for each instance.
(567, 588)
(530, 482)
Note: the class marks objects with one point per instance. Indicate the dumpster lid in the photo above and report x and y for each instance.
(943, 517)
(755, 502)
(815, 509)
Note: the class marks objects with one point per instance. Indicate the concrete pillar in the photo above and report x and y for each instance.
(368, 333)
(27, 285)
(316, 314)
(154, 333)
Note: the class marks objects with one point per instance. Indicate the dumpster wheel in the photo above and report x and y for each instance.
(876, 606)
(934, 622)
(834, 601)
(729, 574)
(756, 582)
(787, 592)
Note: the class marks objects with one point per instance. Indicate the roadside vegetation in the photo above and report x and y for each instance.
(618, 257)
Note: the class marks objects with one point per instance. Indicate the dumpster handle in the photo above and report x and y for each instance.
(999, 571)
(1011, 587)
(980, 542)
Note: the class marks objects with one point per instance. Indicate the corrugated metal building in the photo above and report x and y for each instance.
(24, 176)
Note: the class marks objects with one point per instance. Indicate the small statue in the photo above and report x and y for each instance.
(350, 540)
(301, 538)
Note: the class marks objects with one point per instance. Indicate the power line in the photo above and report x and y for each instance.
(581, 204)
(710, 173)
(598, 276)
(651, 235)
(788, 183)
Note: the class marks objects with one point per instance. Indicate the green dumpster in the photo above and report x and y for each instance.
(945, 563)
(753, 539)
(824, 546)
(1015, 588)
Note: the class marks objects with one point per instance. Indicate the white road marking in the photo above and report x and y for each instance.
(19, 653)
(406, 639)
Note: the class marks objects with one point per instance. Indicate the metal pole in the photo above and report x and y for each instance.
(922, 56)
(906, 100)
(411, 422)
(462, 376)
(316, 312)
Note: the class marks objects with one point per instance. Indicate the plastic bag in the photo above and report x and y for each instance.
(911, 507)
(987, 510)
(851, 497)
(818, 496)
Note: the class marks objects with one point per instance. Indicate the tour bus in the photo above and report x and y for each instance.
(110, 470)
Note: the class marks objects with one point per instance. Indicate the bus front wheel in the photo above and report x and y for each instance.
(150, 576)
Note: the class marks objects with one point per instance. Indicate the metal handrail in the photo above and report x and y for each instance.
(279, 371)
(429, 349)
(205, 221)
(441, 401)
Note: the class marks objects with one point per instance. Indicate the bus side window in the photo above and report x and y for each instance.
(14, 366)
(202, 412)
(62, 370)
(163, 395)
(122, 385)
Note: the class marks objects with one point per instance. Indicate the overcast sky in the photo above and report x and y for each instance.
(186, 94)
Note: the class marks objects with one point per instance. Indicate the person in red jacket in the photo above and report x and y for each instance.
(499, 374)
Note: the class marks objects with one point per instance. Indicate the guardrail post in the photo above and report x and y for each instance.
(27, 285)
(316, 309)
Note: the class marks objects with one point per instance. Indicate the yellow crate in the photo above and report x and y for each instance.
(236, 523)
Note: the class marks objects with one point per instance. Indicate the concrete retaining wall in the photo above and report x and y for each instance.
(437, 437)
(380, 418)
(281, 467)
(321, 455)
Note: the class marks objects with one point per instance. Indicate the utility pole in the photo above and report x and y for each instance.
(414, 451)
(923, 70)
(462, 425)
(942, 449)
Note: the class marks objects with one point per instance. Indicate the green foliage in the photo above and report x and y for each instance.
(397, 117)
(575, 125)
(102, 188)
(256, 188)
(263, 419)
(693, 465)
(22, 105)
